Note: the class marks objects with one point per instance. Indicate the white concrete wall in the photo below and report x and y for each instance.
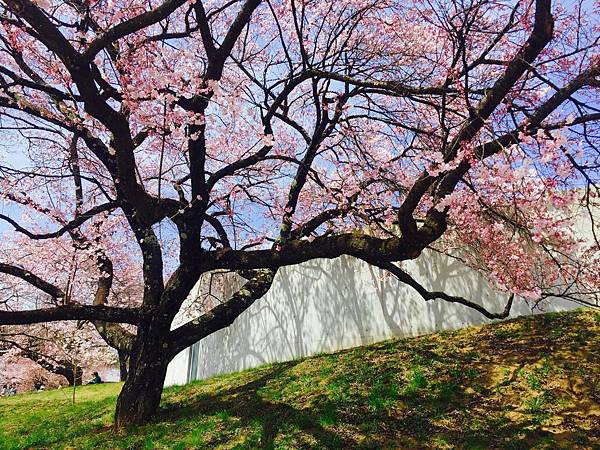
(327, 305)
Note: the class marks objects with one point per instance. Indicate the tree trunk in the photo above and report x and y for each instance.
(123, 363)
(142, 391)
(73, 376)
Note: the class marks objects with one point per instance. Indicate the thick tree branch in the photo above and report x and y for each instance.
(223, 315)
(131, 26)
(296, 251)
(236, 28)
(72, 312)
(32, 279)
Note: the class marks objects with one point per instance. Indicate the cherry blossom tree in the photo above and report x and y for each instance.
(25, 373)
(62, 349)
(85, 271)
(151, 143)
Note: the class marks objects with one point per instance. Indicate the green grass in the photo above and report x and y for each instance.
(530, 383)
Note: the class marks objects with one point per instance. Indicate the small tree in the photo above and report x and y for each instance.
(166, 142)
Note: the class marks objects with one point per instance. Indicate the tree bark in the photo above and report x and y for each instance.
(123, 363)
(142, 391)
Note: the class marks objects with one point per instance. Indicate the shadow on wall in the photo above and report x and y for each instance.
(327, 305)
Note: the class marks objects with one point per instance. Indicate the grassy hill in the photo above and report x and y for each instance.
(528, 383)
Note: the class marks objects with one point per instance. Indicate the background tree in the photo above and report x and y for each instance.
(164, 141)
(23, 372)
(33, 348)
(62, 349)
(84, 273)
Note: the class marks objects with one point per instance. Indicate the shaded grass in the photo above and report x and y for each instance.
(530, 383)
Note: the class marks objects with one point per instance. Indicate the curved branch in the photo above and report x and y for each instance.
(435, 295)
(115, 335)
(32, 279)
(392, 87)
(220, 230)
(301, 250)
(81, 219)
(131, 26)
